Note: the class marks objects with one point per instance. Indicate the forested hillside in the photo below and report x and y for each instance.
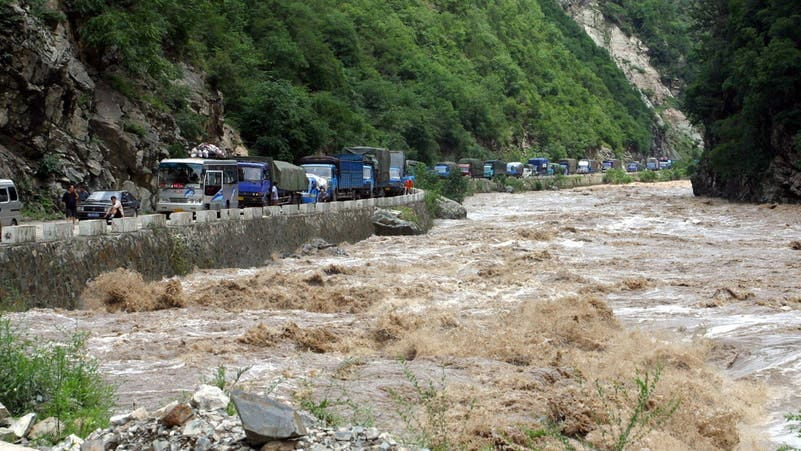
(437, 77)
(747, 93)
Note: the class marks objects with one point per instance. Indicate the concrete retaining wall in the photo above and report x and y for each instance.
(53, 273)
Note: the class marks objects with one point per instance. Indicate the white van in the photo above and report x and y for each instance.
(10, 205)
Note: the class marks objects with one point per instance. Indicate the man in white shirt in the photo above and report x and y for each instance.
(115, 211)
(274, 195)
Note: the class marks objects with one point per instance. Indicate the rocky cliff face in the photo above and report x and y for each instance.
(673, 130)
(780, 182)
(62, 122)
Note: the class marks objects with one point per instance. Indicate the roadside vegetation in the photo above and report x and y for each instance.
(53, 380)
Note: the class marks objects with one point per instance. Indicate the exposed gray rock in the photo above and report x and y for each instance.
(54, 105)
(23, 425)
(71, 443)
(197, 428)
(11, 447)
(7, 435)
(48, 427)
(389, 223)
(120, 419)
(208, 397)
(449, 209)
(3, 412)
(140, 414)
(265, 419)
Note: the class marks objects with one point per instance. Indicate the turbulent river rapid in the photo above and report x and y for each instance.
(508, 309)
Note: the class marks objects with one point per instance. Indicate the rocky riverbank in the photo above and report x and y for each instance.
(205, 422)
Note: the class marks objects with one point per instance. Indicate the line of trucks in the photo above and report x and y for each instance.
(192, 184)
(476, 168)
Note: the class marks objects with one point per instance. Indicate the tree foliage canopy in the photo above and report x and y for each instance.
(747, 90)
(434, 77)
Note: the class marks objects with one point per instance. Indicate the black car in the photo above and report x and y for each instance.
(96, 205)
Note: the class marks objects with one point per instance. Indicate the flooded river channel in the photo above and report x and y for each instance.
(517, 314)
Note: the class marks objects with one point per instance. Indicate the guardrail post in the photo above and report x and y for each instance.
(57, 231)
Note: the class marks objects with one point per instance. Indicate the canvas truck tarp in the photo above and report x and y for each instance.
(289, 177)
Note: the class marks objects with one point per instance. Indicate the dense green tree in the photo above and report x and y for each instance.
(747, 91)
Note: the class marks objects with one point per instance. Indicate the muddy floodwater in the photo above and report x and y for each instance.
(509, 309)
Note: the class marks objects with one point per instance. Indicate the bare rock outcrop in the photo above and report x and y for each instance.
(64, 121)
(631, 56)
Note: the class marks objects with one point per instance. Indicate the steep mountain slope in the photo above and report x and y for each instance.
(64, 121)
(100, 90)
(657, 72)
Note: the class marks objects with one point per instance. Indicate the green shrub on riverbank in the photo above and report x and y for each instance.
(648, 176)
(54, 380)
(617, 177)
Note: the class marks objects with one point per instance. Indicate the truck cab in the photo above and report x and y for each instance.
(254, 183)
(327, 171)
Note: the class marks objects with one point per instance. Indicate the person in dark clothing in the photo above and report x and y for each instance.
(70, 199)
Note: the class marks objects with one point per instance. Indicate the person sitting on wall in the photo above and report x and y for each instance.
(115, 211)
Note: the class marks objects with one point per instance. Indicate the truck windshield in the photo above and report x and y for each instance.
(177, 175)
(321, 171)
(248, 174)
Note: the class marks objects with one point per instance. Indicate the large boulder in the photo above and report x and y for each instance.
(49, 427)
(3, 412)
(265, 419)
(389, 222)
(449, 209)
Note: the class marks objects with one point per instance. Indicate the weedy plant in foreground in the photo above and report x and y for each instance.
(54, 380)
(424, 411)
(634, 413)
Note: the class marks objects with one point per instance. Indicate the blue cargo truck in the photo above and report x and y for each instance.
(349, 176)
(540, 165)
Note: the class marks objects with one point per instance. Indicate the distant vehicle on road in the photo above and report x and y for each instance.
(633, 167)
(95, 206)
(493, 168)
(446, 168)
(612, 164)
(514, 169)
(10, 204)
(570, 165)
(652, 164)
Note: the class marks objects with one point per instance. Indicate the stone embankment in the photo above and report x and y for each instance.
(205, 422)
(51, 270)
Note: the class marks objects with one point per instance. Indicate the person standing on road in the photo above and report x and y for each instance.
(70, 199)
(274, 194)
(407, 186)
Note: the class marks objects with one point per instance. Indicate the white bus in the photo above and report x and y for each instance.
(192, 184)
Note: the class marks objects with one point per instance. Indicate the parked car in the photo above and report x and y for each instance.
(10, 204)
(95, 206)
(633, 167)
